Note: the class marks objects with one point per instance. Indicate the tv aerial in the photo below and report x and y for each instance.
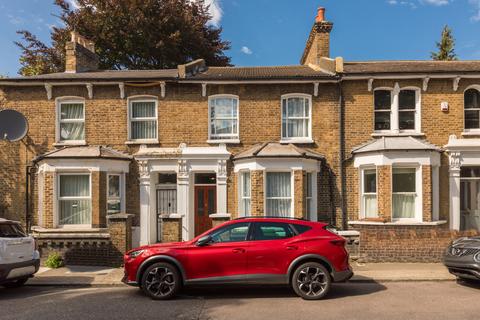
(13, 125)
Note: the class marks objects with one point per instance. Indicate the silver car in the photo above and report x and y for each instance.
(462, 258)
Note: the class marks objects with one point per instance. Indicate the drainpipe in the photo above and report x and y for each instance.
(27, 198)
(341, 142)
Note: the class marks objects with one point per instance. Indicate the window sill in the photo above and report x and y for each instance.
(300, 140)
(69, 143)
(400, 134)
(397, 223)
(220, 216)
(471, 133)
(226, 141)
(136, 142)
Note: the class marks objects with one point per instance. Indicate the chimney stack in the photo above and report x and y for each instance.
(318, 43)
(80, 54)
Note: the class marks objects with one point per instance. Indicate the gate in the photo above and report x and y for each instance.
(166, 205)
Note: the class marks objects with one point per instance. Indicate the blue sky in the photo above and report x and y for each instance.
(273, 32)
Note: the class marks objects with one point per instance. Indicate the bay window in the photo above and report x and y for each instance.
(296, 117)
(114, 193)
(223, 115)
(71, 121)
(74, 199)
(472, 109)
(279, 194)
(309, 201)
(245, 193)
(404, 193)
(369, 193)
(143, 120)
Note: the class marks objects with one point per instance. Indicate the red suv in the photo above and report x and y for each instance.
(293, 252)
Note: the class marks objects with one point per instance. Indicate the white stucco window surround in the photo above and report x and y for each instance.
(406, 156)
(72, 169)
(462, 153)
(185, 162)
(278, 162)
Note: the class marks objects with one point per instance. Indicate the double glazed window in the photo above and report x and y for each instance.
(279, 194)
(71, 121)
(472, 109)
(369, 193)
(403, 193)
(309, 204)
(74, 199)
(223, 114)
(143, 120)
(296, 117)
(396, 110)
(245, 193)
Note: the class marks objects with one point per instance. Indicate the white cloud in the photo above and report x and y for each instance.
(73, 4)
(437, 2)
(476, 7)
(246, 50)
(214, 9)
(16, 20)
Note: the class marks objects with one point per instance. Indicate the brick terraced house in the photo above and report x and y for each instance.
(387, 150)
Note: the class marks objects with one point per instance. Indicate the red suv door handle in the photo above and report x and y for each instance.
(238, 250)
(292, 247)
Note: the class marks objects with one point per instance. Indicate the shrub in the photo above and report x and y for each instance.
(54, 260)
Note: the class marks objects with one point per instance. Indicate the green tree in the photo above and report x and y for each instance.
(446, 47)
(129, 34)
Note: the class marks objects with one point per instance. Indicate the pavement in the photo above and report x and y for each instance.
(85, 276)
(431, 300)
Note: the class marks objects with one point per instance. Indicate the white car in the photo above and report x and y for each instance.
(19, 259)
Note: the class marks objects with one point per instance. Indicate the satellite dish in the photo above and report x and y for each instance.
(13, 125)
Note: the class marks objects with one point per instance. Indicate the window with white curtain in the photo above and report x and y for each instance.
(114, 193)
(279, 194)
(404, 193)
(143, 120)
(71, 121)
(223, 115)
(74, 199)
(369, 193)
(245, 193)
(309, 181)
(296, 117)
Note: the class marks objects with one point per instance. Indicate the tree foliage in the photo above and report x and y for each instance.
(129, 34)
(446, 47)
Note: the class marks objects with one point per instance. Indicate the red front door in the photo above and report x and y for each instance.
(205, 205)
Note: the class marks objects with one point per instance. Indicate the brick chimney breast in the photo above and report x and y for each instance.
(318, 43)
(80, 54)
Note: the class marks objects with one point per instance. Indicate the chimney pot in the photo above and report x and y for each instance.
(320, 15)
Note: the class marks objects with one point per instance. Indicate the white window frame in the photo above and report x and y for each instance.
(223, 138)
(472, 130)
(418, 194)
(121, 189)
(292, 191)
(130, 119)
(59, 198)
(58, 107)
(395, 112)
(308, 138)
(241, 197)
(363, 214)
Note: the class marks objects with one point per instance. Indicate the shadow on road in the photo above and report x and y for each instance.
(338, 290)
(475, 284)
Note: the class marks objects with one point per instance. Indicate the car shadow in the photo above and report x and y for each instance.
(475, 284)
(338, 290)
